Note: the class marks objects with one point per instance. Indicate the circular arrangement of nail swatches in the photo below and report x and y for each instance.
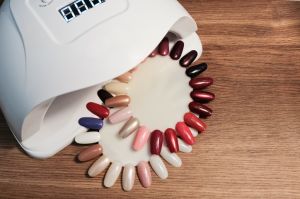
(114, 108)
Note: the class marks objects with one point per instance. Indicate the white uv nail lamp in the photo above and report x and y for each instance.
(56, 54)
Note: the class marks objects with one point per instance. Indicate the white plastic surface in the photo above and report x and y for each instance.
(37, 63)
(62, 32)
(159, 83)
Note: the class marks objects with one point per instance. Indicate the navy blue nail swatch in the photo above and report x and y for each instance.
(91, 123)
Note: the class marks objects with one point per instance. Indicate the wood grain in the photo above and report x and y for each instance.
(251, 149)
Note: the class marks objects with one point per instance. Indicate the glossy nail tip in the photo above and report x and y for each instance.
(121, 115)
(144, 174)
(194, 122)
(188, 59)
(159, 167)
(196, 70)
(202, 96)
(183, 147)
(88, 138)
(171, 140)
(176, 51)
(163, 48)
(172, 158)
(118, 101)
(200, 109)
(154, 53)
(97, 109)
(128, 177)
(112, 174)
(141, 138)
(91, 123)
(129, 127)
(185, 133)
(194, 132)
(156, 141)
(201, 82)
(104, 95)
(117, 88)
(99, 166)
(90, 153)
(125, 78)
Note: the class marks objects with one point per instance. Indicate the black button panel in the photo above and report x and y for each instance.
(78, 7)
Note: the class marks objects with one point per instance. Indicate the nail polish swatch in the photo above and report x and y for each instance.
(128, 177)
(129, 127)
(163, 48)
(191, 120)
(201, 82)
(188, 59)
(90, 153)
(185, 133)
(171, 140)
(202, 96)
(97, 109)
(154, 53)
(112, 174)
(91, 123)
(200, 109)
(104, 95)
(141, 138)
(172, 158)
(121, 115)
(196, 70)
(177, 49)
(118, 101)
(183, 147)
(99, 166)
(125, 78)
(88, 138)
(156, 141)
(159, 167)
(144, 173)
(117, 88)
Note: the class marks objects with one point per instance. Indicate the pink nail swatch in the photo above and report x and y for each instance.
(120, 115)
(143, 170)
(141, 138)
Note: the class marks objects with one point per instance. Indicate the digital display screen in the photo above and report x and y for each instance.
(78, 7)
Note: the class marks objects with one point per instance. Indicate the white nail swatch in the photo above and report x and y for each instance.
(159, 167)
(194, 132)
(88, 138)
(128, 177)
(183, 147)
(171, 158)
(112, 174)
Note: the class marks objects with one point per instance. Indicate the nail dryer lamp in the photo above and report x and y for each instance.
(55, 52)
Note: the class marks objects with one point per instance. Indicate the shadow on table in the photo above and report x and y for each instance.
(7, 139)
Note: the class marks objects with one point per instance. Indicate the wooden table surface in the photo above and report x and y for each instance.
(252, 147)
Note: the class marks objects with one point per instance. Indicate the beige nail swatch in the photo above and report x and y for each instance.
(99, 166)
(118, 101)
(126, 77)
(129, 127)
(128, 177)
(117, 88)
